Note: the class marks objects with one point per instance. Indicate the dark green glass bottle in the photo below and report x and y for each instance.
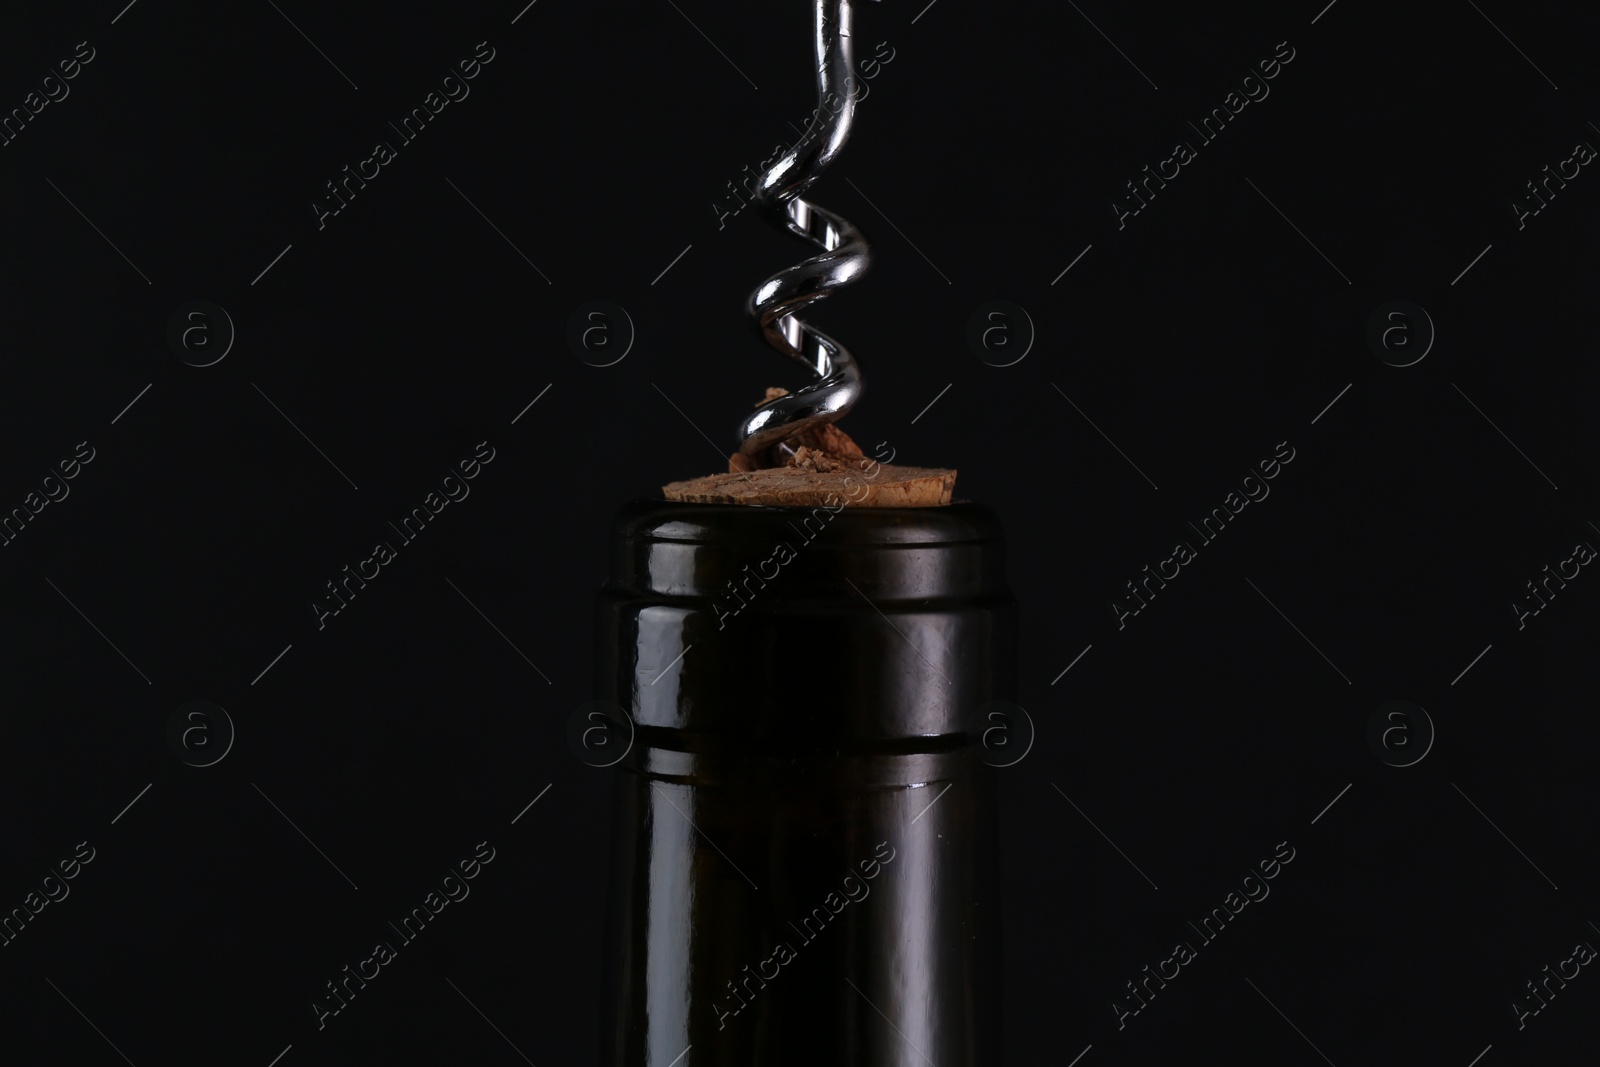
(804, 862)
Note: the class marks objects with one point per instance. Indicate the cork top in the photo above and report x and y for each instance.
(820, 466)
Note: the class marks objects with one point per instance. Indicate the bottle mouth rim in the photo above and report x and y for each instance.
(665, 521)
(784, 623)
(731, 552)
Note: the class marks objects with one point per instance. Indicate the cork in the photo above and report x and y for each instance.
(879, 485)
(819, 467)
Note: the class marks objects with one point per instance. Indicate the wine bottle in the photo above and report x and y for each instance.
(804, 868)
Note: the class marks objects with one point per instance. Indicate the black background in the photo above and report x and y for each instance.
(1220, 721)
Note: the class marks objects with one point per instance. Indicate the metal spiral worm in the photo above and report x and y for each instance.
(776, 305)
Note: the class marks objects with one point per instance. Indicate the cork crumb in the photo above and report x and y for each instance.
(819, 466)
(815, 459)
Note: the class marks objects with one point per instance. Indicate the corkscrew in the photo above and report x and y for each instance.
(777, 304)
